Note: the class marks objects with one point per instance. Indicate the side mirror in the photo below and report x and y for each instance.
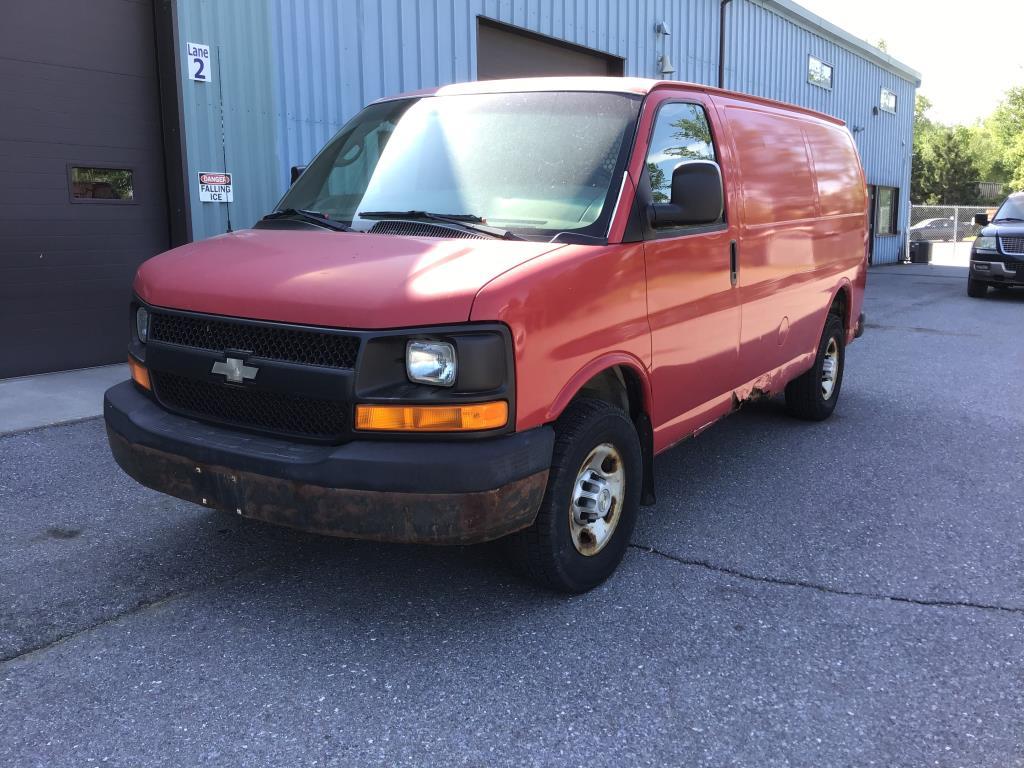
(296, 172)
(981, 219)
(697, 196)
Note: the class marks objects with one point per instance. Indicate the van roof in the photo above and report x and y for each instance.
(633, 85)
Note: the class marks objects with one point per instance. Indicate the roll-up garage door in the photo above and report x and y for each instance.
(507, 51)
(82, 195)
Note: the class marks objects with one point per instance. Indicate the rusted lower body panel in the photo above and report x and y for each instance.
(429, 518)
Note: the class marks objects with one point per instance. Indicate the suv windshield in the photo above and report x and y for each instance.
(535, 163)
(1012, 209)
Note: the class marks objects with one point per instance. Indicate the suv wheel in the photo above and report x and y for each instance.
(590, 507)
(976, 289)
(813, 395)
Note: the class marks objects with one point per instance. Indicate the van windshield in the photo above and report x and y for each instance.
(535, 163)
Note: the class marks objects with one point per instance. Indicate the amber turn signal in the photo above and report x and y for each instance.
(432, 418)
(139, 373)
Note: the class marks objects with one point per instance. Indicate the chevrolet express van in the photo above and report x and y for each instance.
(481, 311)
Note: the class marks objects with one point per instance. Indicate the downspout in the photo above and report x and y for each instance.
(721, 43)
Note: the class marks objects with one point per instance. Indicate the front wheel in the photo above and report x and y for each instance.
(976, 289)
(813, 395)
(591, 503)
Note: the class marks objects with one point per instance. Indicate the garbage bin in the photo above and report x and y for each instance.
(920, 252)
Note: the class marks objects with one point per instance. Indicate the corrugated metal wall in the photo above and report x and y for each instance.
(293, 71)
(233, 118)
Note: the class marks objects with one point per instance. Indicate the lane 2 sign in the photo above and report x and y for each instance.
(215, 187)
(198, 57)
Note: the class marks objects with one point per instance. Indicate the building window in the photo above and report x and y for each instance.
(888, 101)
(886, 210)
(94, 185)
(819, 73)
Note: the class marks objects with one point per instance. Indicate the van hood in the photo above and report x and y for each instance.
(336, 279)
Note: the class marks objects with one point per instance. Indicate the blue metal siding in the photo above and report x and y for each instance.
(293, 71)
(242, 128)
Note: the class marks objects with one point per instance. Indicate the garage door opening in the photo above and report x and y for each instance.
(507, 51)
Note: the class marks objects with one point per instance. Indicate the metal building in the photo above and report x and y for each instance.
(253, 87)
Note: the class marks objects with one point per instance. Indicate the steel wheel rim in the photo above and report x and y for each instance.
(596, 503)
(830, 369)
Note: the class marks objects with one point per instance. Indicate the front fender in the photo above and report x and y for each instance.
(592, 369)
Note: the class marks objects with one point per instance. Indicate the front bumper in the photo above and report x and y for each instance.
(438, 492)
(996, 272)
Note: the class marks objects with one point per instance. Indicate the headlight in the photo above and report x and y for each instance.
(431, 362)
(985, 244)
(142, 323)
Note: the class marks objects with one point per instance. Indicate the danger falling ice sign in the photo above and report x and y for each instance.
(215, 187)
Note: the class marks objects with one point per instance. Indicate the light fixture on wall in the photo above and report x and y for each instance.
(856, 129)
(664, 62)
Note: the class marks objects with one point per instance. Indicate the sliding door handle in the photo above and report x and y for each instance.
(734, 264)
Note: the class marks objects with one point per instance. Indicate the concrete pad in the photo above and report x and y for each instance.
(55, 398)
(952, 254)
(918, 270)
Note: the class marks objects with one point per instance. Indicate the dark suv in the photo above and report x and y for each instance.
(997, 257)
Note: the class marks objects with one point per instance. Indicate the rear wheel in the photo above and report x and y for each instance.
(976, 289)
(813, 395)
(591, 503)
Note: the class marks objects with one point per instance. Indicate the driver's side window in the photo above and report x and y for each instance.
(681, 132)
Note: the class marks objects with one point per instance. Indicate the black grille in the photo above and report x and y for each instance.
(270, 342)
(1014, 245)
(419, 229)
(277, 412)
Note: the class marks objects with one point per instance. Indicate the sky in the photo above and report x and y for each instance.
(968, 53)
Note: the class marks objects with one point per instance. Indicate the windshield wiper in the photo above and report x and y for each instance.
(468, 221)
(313, 217)
(1006, 218)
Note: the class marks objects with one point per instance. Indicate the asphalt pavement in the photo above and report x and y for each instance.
(848, 593)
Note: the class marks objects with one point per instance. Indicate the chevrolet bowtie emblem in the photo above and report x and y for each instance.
(235, 370)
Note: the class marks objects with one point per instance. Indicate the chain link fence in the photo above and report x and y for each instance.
(949, 228)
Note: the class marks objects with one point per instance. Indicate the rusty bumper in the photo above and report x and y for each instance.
(446, 494)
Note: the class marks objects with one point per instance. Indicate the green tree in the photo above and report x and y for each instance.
(952, 175)
(920, 164)
(1007, 127)
(948, 160)
(696, 133)
(659, 185)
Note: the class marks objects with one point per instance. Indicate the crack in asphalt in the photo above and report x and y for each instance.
(137, 608)
(706, 565)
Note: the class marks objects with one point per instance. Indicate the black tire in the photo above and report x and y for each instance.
(976, 289)
(545, 552)
(805, 397)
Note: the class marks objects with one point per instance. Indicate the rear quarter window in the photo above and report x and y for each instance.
(777, 181)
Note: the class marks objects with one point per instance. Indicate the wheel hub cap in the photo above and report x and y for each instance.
(829, 369)
(595, 507)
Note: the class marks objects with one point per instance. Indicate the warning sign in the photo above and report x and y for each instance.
(215, 187)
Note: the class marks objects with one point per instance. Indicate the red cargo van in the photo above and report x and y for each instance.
(481, 311)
